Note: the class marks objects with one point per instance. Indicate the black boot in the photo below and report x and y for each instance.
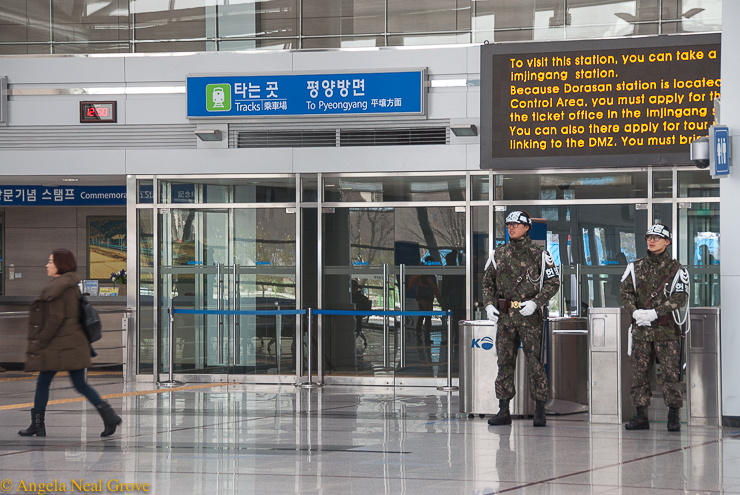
(640, 421)
(503, 417)
(673, 423)
(539, 414)
(37, 427)
(110, 419)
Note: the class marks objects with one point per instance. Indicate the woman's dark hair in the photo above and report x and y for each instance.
(64, 260)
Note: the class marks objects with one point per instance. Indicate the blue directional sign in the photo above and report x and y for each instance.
(62, 195)
(719, 150)
(347, 93)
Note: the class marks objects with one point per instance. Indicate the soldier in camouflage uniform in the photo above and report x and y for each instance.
(516, 306)
(655, 332)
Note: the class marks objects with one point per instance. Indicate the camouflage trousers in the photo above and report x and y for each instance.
(669, 356)
(507, 347)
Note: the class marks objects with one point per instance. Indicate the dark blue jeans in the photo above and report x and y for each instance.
(78, 380)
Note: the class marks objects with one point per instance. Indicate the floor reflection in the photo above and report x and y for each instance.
(339, 440)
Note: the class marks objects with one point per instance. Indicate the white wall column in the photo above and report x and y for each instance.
(729, 226)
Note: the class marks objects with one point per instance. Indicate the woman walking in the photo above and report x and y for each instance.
(57, 342)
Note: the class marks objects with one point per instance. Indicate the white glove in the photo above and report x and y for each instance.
(492, 313)
(650, 315)
(644, 317)
(528, 308)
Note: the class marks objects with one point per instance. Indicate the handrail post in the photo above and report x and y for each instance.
(320, 356)
(385, 318)
(298, 350)
(171, 337)
(309, 383)
(402, 297)
(449, 387)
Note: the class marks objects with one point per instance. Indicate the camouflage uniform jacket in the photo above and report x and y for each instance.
(649, 272)
(506, 264)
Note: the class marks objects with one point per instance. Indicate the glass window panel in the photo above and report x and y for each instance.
(84, 20)
(699, 249)
(175, 46)
(697, 184)
(428, 15)
(277, 190)
(479, 222)
(275, 18)
(146, 291)
(481, 187)
(602, 20)
(309, 189)
(72, 48)
(145, 188)
(429, 39)
(35, 49)
(344, 42)
(165, 20)
(571, 186)
(377, 189)
(24, 20)
(663, 184)
(663, 213)
(259, 44)
(595, 241)
(343, 17)
(693, 15)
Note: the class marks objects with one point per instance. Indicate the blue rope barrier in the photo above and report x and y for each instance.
(234, 312)
(337, 312)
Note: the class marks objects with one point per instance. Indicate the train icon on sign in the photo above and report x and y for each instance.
(218, 97)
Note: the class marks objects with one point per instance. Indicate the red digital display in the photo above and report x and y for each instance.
(97, 111)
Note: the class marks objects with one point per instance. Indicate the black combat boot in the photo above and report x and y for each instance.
(539, 414)
(37, 427)
(503, 417)
(640, 421)
(110, 419)
(673, 423)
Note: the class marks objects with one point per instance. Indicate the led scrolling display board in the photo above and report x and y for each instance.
(626, 102)
(97, 112)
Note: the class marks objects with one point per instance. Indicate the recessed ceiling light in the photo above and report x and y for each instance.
(71, 179)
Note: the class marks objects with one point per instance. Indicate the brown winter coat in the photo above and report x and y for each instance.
(56, 340)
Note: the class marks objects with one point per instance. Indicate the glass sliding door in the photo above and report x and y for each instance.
(392, 258)
(214, 258)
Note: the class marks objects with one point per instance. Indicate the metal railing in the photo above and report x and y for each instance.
(101, 311)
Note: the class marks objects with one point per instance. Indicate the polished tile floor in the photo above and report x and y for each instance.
(254, 439)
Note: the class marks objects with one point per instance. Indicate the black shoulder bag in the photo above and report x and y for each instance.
(90, 320)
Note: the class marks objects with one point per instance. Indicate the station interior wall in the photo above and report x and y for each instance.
(31, 233)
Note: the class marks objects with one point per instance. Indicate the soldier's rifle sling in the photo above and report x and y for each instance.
(660, 287)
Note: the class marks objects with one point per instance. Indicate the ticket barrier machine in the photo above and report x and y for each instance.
(609, 367)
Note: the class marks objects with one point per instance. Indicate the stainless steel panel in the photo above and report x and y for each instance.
(598, 332)
(610, 372)
(704, 397)
(703, 387)
(478, 367)
(604, 393)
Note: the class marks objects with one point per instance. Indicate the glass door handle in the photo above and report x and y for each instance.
(219, 328)
(385, 318)
(235, 323)
(402, 296)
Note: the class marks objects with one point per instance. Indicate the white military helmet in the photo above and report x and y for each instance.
(519, 216)
(660, 230)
